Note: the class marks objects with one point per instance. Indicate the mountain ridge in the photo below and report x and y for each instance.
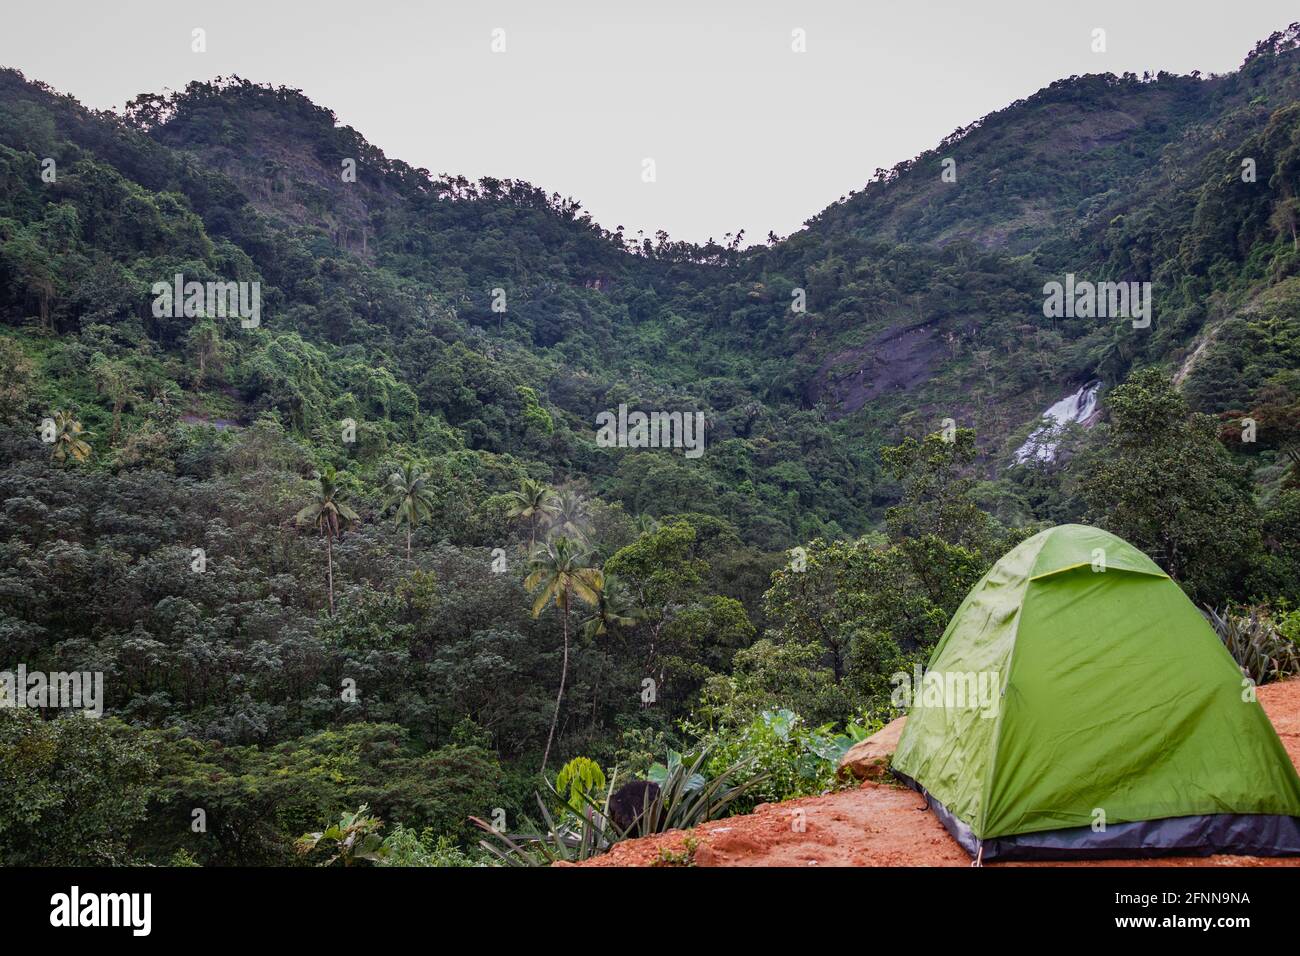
(323, 559)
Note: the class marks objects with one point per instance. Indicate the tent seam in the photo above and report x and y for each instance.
(1088, 564)
(987, 790)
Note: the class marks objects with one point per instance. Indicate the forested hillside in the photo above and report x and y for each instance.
(368, 550)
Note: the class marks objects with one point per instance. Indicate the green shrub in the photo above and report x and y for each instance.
(794, 759)
(71, 789)
(406, 847)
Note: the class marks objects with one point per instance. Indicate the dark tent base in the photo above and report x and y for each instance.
(1244, 834)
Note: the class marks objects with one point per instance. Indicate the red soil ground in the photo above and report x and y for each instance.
(882, 824)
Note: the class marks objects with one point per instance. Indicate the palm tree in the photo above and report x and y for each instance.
(645, 524)
(330, 516)
(408, 492)
(1291, 479)
(572, 516)
(562, 572)
(614, 607)
(68, 443)
(204, 339)
(117, 381)
(531, 500)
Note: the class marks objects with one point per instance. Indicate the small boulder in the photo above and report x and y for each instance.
(869, 759)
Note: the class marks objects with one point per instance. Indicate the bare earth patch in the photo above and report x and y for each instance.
(883, 824)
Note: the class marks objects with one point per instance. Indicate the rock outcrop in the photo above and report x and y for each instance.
(869, 759)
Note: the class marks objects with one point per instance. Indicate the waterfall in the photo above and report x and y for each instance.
(1042, 442)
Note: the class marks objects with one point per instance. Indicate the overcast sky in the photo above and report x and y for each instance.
(743, 131)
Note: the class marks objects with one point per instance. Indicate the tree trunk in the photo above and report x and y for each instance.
(564, 672)
(595, 700)
(408, 541)
(329, 568)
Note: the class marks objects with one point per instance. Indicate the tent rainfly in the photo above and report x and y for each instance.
(1080, 706)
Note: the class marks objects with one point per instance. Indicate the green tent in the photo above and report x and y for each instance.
(1079, 705)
